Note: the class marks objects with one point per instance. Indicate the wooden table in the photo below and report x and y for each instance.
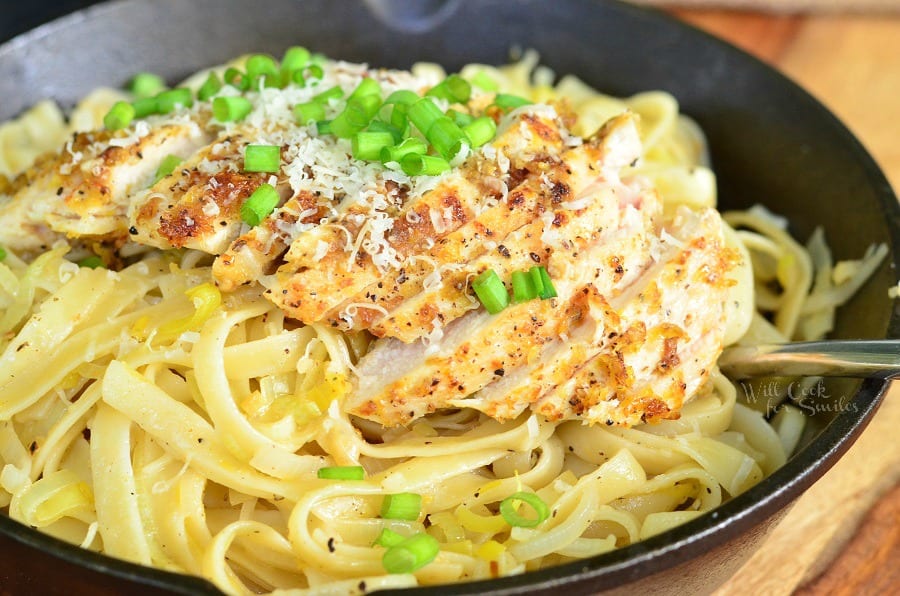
(843, 535)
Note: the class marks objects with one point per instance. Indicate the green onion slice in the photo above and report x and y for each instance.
(523, 287)
(509, 102)
(398, 152)
(485, 81)
(332, 93)
(402, 97)
(262, 158)
(119, 116)
(389, 538)
(231, 109)
(446, 137)
(309, 111)
(490, 291)
(415, 164)
(294, 58)
(367, 86)
(454, 89)
(2, 253)
(401, 506)
(480, 131)
(210, 87)
(169, 100)
(260, 64)
(146, 84)
(323, 127)
(91, 262)
(355, 116)
(236, 78)
(144, 107)
(368, 145)
(537, 280)
(382, 126)
(259, 205)
(508, 510)
(547, 290)
(166, 167)
(423, 114)
(342, 473)
(412, 554)
(461, 119)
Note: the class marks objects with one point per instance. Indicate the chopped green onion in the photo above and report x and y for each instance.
(508, 102)
(512, 517)
(342, 473)
(309, 73)
(309, 111)
(210, 87)
(423, 113)
(355, 116)
(119, 116)
(547, 290)
(490, 291)
(294, 58)
(401, 100)
(146, 84)
(401, 506)
(382, 126)
(480, 131)
(485, 81)
(323, 127)
(537, 280)
(2, 253)
(414, 164)
(367, 86)
(259, 65)
(262, 158)
(389, 538)
(271, 81)
(402, 97)
(398, 152)
(325, 96)
(231, 109)
(145, 107)
(169, 100)
(446, 137)
(412, 554)
(460, 118)
(523, 287)
(166, 167)
(91, 262)
(259, 205)
(368, 145)
(318, 58)
(454, 89)
(236, 78)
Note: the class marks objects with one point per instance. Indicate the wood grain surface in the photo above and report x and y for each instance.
(843, 535)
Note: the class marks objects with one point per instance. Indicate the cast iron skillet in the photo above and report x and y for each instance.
(770, 142)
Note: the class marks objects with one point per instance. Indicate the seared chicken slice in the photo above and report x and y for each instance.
(337, 263)
(639, 355)
(199, 205)
(85, 190)
(575, 203)
(628, 359)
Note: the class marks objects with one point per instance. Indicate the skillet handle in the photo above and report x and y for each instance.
(415, 16)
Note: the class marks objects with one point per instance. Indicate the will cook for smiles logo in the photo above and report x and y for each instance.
(811, 398)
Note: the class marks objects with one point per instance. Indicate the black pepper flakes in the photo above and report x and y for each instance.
(331, 545)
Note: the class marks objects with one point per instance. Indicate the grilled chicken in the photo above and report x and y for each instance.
(634, 331)
(85, 190)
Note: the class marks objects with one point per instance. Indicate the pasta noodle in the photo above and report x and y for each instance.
(145, 415)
